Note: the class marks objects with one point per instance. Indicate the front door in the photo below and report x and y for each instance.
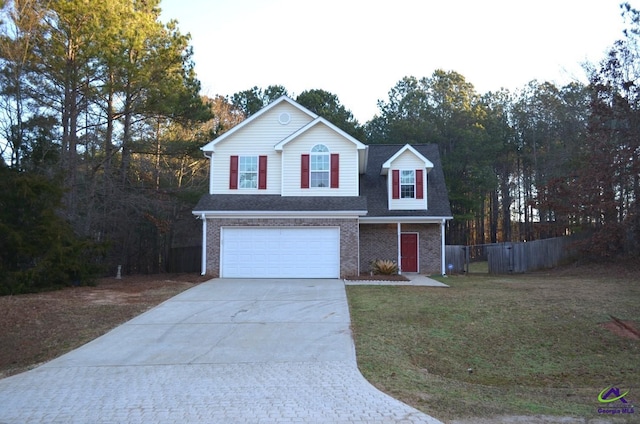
(409, 252)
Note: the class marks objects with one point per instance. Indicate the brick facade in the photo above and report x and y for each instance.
(380, 241)
(348, 238)
(377, 241)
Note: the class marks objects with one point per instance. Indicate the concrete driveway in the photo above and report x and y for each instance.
(225, 351)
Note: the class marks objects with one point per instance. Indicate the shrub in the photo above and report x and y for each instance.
(384, 267)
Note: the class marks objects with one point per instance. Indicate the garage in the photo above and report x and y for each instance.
(280, 252)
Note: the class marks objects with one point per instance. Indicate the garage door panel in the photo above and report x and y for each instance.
(308, 252)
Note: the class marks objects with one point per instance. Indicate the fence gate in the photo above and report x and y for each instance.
(500, 258)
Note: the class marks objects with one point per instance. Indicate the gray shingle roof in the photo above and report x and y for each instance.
(374, 186)
(277, 203)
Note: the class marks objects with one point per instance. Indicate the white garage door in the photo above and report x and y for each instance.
(309, 252)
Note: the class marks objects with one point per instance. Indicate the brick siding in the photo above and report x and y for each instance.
(380, 241)
(377, 241)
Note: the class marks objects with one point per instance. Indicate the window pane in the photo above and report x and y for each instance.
(319, 179)
(319, 162)
(319, 148)
(406, 191)
(407, 177)
(248, 164)
(248, 180)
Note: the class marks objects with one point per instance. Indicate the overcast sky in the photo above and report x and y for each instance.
(359, 49)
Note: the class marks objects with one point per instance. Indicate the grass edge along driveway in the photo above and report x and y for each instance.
(501, 345)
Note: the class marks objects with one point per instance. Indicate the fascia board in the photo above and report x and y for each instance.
(405, 219)
(210, 147)
(319, 120)
(279, 214)
(385, 166)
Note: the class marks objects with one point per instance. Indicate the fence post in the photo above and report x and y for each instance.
(466, 259)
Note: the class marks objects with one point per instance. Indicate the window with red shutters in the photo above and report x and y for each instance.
(262, 173)
(419, 184)
(233, 173)
(304, 171)
(395, 183)
(335, 170)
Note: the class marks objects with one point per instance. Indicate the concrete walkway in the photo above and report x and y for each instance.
(415, 279)
(225, 351)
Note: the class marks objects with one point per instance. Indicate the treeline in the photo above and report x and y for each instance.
(101, 121)
(100, 109)
(541, 162)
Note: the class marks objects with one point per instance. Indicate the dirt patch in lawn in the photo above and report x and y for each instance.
(622, 328)
(36, 328)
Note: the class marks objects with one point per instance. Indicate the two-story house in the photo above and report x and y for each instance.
(293, 196)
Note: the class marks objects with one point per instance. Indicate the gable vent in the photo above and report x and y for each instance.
(284, 118)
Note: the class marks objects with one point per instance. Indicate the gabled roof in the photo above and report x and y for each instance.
(315, 122)
(362, 148)
(385, 166)
(374, 186)
(210, 147)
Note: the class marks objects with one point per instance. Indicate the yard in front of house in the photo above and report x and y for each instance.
(488, 346)
(534, 343)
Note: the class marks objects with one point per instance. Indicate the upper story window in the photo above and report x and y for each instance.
(320, 166)
(407, 184)
(248, 172)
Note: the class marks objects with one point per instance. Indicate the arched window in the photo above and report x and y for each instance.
(320, 166)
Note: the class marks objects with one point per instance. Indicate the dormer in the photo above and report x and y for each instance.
(407, 173)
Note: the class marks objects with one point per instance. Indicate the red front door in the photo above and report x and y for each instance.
(409, 252)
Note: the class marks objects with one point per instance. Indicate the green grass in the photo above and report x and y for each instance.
(533, 342)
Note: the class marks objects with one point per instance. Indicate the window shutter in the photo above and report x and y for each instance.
(335, 170)
(395, 182)
(233, 173)
(262, 172)
(304, 172)
(419, 184)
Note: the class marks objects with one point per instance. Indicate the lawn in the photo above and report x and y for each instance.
(502, 345)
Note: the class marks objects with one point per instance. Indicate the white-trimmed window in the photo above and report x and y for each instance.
(320, 165)
(248, 172)
(407, 184)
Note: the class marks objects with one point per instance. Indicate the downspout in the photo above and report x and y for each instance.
(204, 245)
(204, 220)
(399, 249)
(442, 249)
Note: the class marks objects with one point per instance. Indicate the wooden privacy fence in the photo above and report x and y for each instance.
(505, 258)
(184, 259)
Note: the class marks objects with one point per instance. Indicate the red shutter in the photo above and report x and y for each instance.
(419, 184)
(233, 173)
(262, 172)
(304, 172)
(395, 182)
(335, 170)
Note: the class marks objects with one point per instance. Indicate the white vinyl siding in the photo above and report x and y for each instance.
(407, 161)
(291, 163)
(256, 139)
